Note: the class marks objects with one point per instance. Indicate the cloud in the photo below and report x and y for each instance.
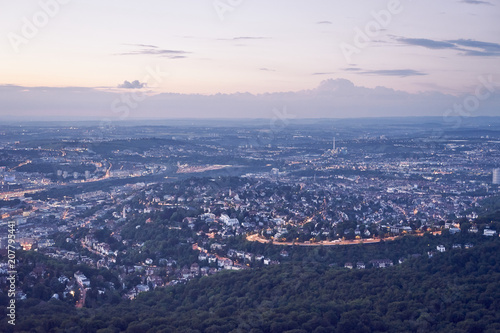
(477, 48)
(467, 47)
(243, 38)
(155, 50)
(385, 72)
(132, 85)
(427, 43)
(267, 69)
(323, 73)
(393, 72)
(51, 102)
(352, 69)
(332, 98)
(145, 45)
(249, 38)
(324, 22)
(478, 44)
(476, 2)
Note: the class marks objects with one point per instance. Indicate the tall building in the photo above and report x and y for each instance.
(496, 176)
(333, 148)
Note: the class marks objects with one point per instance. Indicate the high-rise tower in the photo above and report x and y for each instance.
(496, 176)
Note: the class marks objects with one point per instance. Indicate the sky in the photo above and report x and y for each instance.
(244, 59)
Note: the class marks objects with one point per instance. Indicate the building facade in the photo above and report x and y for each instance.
(496, 176)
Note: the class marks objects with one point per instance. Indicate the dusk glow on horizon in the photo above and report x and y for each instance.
(423, 48)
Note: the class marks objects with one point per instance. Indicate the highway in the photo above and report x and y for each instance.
(260, 239)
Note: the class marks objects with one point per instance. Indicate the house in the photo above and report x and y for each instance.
(469, 246)
(405, 229)
(186, 272)
(224, 262)
(63, 279)
(395, 229)
(348, 265)
(284, 253)
(232, 222)
(223, 218)
(195, 268)
(20, 295)
(457, 246)
(43, 243)
(140, 288)
(102, 263)
(82, 279)
(206, 216)
(489, 232)
(473, 230)
(155, 280)
(278, 221)
(360, 265)
(227, 263)
(216, 246)
(168, 262)
(381, 263)
(212, 259)
(204, 270)
(234, 268)
(440, 248)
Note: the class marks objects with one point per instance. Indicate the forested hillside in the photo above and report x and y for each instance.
(455, 291)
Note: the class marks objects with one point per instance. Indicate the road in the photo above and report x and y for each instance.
(260, 239)
(83, 294)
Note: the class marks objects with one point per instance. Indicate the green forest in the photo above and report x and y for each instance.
(455, 291)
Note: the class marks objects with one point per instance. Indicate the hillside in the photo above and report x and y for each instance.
(455, 291)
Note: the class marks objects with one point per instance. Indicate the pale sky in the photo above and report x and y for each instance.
(209, 47)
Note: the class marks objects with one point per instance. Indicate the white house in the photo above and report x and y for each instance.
(82, 279)
(489, 232)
